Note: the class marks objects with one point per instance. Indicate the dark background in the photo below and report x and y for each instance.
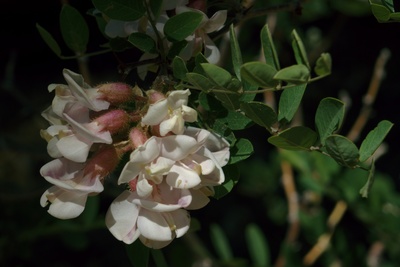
(28, 66)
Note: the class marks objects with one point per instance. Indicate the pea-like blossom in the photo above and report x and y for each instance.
(171, 113)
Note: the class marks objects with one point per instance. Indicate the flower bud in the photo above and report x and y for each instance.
(154, 96)
(113, 121)
(137, 137)
(116, 93)
(103, 162)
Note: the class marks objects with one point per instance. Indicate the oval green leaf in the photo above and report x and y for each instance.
(342, 150)
(299, 50)
(235, 51)
(260, 113)
(381, 13)
(217, 75)
(182, 25)
(242, 149)
(295, 138)
(328, 117)
(268, 46)
(258, 246)
(296, 74)
(323, 66)
(179, 68)
(289, 102)
(258, 74)
(374, 139)
(49, 40)
(142, 41)
(74, 29)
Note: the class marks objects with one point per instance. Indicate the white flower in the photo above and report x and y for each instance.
(156, 219)
(171, 113)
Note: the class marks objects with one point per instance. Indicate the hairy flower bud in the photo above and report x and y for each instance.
(102, 163)
(116, 93)
(113, 121)
(137, 137)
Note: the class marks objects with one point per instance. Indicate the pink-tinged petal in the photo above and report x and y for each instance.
(207, 164)
(64, 204)
(121, 218)
(61, 169)
(216, 21)
(171, 195)
(77, 85)
(153, 243)
(153, 226)
(181, 220)
(156, 113)
(211, 51)
(73, 148)
(182, 177)
(160, 166)
(177, 147)
(199, 199)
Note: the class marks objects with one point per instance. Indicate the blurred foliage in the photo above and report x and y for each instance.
(248, 226)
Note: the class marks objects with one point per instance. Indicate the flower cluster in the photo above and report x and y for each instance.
(171, 169)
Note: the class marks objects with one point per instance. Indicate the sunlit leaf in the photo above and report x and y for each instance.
(342, 150)
(260, 113)
(125, 10)
(295, 74)
(48, 38)
(328, 117)
(258, 74)
(289, 102)
(374, 139)
(74, 29)
(295, 138)
(218, 75)
(182, 25)
(268, 46)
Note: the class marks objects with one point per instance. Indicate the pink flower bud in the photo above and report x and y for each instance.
(116, 93)
(103, 162)
(198, 4)
(154, 96)
(137, 137)
(113, 121)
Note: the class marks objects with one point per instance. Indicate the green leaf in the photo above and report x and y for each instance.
(270, 55)
(395, 16)
(200, 81)
(91, 210)
(295, 138)
(242, 149)
(182, 25)
(228, 100)
(299, 50)
(381, 13)
(179, 68)
(217, 75)
(258, 246)
(328, 117)
(235, 51)
(125, 10)
(220, 242)
(296, 74)
(374, 139)
(289, 102)
(158, 258)
(261, 114)
(176, 48)
(48, 38)
(258, 74)
(119, 44)
(323, 66)
(138, 254)
(74, 29)
(235, 120)
(231, 178)
(246, 87)
(342, 150)
(156, 7)
(142, 41)
(364, 191)
(225, 132)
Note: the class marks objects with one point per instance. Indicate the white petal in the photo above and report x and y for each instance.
(156, 113)
(211, 51)
(143, 188)
(146, 152)
(174, 124)
(216, 21)
(153, 243)
(153, 226)
(176, 99)
(177, 147)
(182, 177)
(199, 200)
(73, 148)
(189, 114)
(121, 219)
(181, 219)
(161, 166)
(61, 169)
